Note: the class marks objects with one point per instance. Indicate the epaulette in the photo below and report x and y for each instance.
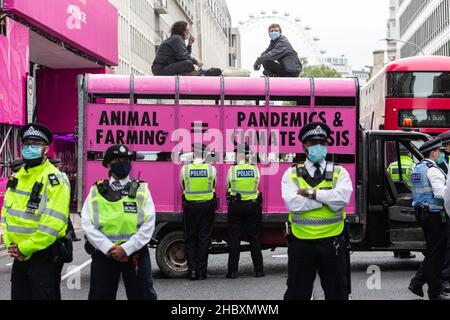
(12, 182)
(301, 170)
(429, 164)
(102, 186)
(53, 179)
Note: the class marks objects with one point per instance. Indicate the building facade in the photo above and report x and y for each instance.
(425, 25)
(392, 30)
(340, 64)
(144, 24)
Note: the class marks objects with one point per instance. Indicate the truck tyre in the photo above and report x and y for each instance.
(170, 255)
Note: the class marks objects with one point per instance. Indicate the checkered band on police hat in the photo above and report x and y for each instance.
(315, 130)
(36, 131)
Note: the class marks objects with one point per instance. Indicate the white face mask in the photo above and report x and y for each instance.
(187, 36)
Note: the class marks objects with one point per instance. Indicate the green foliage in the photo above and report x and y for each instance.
(320, 71)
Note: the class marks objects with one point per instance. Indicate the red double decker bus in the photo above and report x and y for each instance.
(412, 92)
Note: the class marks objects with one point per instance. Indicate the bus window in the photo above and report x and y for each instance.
(418, 84)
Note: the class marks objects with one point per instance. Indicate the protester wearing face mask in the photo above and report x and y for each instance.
(118, 217)
(173, 56)
(429, 191)
(279, 59)
(34, 218)
(316, 193)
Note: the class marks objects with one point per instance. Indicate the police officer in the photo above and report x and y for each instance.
(429, 188)
(198, 180)
(445, 138)
(407, 165)
(34, 218)
(118, 217)
(316, 193)
(244, 212)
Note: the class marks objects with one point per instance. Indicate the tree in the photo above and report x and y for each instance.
(320, 71)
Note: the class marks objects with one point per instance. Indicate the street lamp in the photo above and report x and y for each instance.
(407, 42)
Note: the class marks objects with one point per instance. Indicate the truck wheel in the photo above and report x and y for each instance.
(170, 255)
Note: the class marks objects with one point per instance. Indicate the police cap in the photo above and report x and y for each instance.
(445, 137)
(36, 131)
(431, 145)
(315, 130)
(117, 151)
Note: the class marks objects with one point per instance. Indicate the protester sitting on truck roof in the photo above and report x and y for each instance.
(280, 59)
(173, 56)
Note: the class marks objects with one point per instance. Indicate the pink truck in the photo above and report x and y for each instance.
(160, 118)
(44, 46)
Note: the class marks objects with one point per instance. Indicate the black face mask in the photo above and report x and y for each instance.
(121, 169)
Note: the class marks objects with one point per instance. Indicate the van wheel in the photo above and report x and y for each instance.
(170, 255)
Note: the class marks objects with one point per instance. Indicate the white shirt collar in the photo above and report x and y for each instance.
(309, 164)
(123, 182)
(427, 159)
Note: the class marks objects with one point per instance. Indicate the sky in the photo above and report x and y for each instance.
(349, 27)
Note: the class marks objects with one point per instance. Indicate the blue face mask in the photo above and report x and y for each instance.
(441, 159)
(317, 153)
(274, 35)
(31, 152)
(121, 169)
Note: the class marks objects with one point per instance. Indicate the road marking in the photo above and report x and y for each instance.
(9, 264)
(77, 269)
(280, 256)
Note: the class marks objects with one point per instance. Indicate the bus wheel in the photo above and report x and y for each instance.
(170, 255)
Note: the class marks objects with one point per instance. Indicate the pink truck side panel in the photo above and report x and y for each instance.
(335, 87)
(75, 22)
(150, 128)
(13, 73)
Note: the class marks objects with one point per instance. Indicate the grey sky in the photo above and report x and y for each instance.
(350, 27)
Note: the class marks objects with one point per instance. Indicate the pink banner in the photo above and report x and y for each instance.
(14, 58)
(88, 25)
(151, 129)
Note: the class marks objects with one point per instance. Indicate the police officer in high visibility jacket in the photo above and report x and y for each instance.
(244, 211)
(34, 217)
(429, 188)
(407, 165)
(198, 180)
(315, 193)
(118, 217)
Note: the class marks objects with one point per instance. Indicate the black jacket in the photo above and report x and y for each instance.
(173, 49)
(282, 51)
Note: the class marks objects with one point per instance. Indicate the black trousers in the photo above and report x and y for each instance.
(446, 270)
(309, 257)
(198, 227)
(430, 271)
(105, 277)
(244, 218)
(277, 69)
(176, 68)
(36, 279)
